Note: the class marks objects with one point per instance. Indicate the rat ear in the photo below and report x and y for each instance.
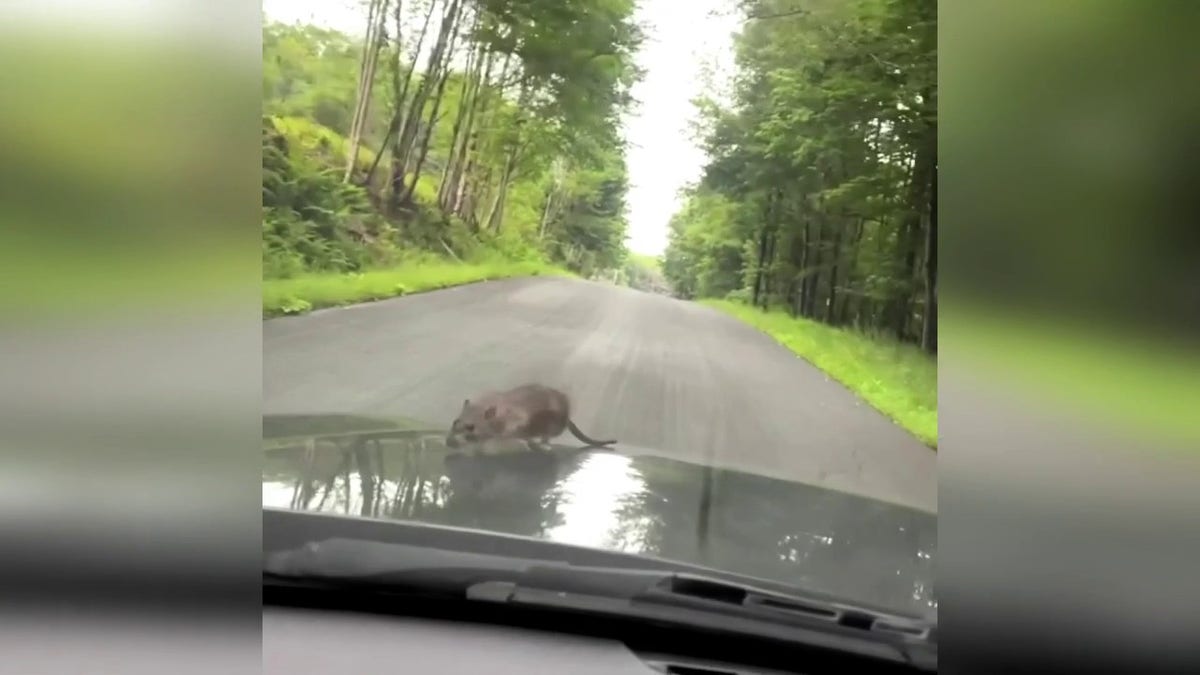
(489, 413)
(466, 402)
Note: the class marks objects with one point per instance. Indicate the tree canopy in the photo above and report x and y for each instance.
(819, 194)
(454, 126)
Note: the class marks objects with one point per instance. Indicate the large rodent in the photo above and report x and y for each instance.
(532, 413)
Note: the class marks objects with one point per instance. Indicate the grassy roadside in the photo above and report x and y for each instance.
(898, 380)
(313, 291)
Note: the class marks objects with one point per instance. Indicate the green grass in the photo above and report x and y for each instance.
(898, 380)
(313, 291)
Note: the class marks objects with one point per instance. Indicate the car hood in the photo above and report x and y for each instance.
(625, 499)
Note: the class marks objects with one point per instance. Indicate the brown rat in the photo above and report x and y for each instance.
(531, 412)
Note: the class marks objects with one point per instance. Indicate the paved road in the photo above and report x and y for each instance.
(654, 372)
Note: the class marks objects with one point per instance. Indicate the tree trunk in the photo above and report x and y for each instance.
(852, 297)
(547, 209)
(490, 222)
(364, 55)
(774, 198)
(918, 201)
(459, 156)
(758, 269)
(516, 144)
(399, 93)
(814, 268)
(364, 59)
(557, 200)
(468, 198)
(796, 260)
(833, 277)
(431, 128)
(408, 130)
(901, 309)
(496, 216)
(802, 266)
(768, 276)
(460, 116)
(376, 17)
(929, 330)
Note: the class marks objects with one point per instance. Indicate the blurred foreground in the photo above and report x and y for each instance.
(1069, 374)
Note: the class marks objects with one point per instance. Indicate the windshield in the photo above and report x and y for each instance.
(657, 278)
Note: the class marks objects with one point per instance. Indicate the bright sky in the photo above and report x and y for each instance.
(682, 35)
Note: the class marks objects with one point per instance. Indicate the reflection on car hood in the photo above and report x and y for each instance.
(624, 499)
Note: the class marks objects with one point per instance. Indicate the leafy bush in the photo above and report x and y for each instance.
(280, 263)
(311, 219)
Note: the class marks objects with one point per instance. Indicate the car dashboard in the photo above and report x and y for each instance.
(299, 640)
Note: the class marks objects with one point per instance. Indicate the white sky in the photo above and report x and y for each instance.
(681, 36)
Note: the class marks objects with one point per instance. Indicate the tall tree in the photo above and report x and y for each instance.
(827, 158)
(439, 91)
(404, 143)
(376, 20)
(500, 113)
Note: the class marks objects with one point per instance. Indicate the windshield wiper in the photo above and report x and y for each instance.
(693, 600)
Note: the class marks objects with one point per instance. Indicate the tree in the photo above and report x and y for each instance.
(376, 20)
(825, 162)
(496, 122)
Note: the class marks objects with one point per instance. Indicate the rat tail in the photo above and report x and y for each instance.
(583, 437)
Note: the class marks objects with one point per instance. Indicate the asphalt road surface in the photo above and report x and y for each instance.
(666, 375)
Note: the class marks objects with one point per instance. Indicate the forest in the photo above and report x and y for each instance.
(471, 130)
(820, 193)
(465, 130)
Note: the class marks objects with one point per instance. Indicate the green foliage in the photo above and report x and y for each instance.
(704, 257)
(897, 379)
(643, 261)
(817, 196)
(294, 305)
(426, 191)
(311, 219)
(312, 141)
(644, 273)
(311, 73)
(817, 199)
(492, 172)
